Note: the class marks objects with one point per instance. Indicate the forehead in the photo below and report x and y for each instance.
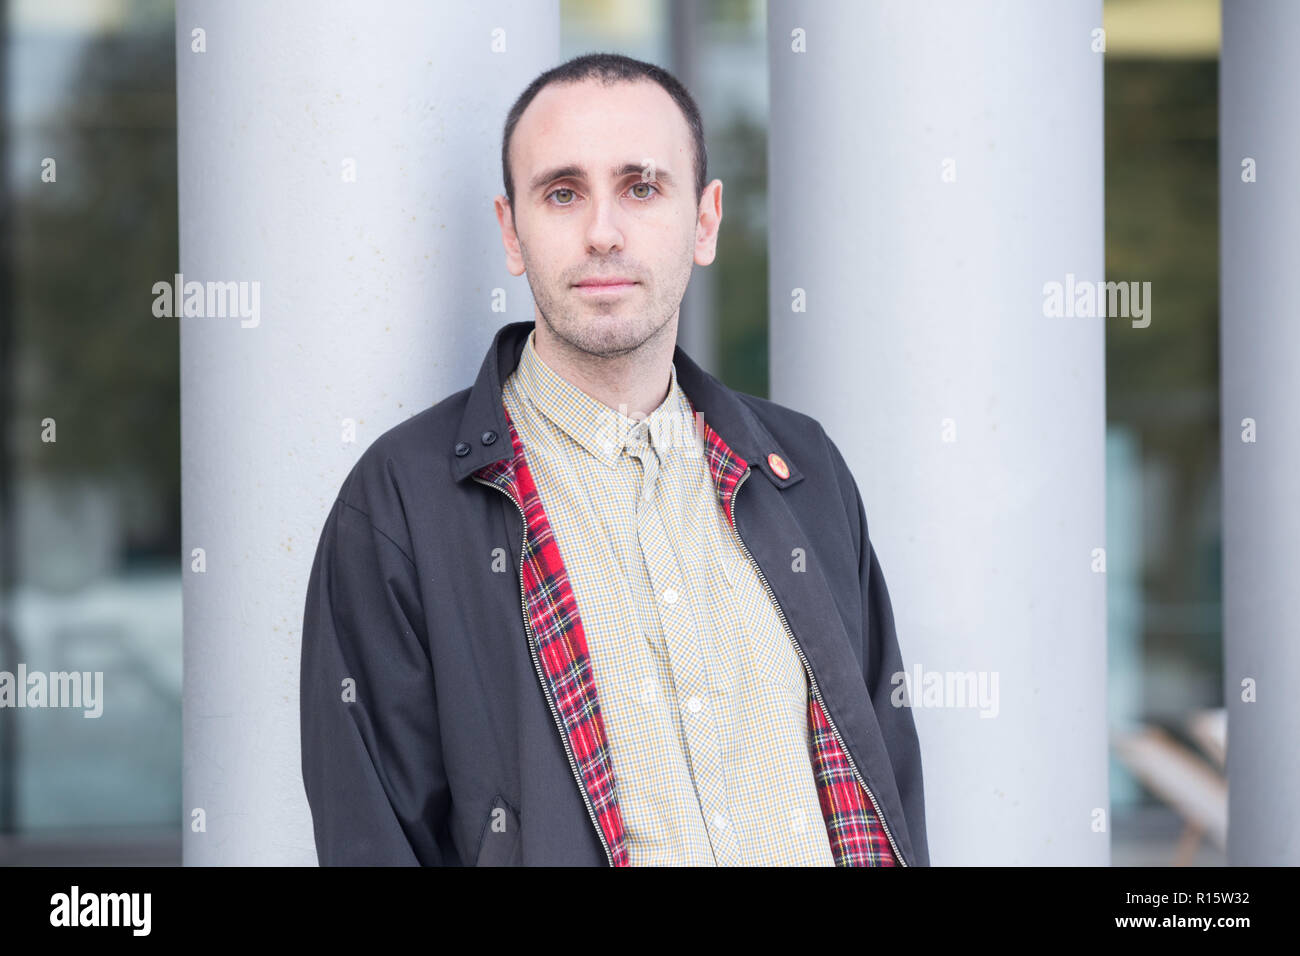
(597, 125)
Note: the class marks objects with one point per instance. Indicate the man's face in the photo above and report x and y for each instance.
(604, 189)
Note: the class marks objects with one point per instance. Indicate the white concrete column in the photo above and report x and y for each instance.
(932, 167)
(338, 162)
(1259, 138)
(697, 327)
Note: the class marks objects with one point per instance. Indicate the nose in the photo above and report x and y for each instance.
(604, 232)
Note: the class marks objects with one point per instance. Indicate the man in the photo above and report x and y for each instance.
(598, 608)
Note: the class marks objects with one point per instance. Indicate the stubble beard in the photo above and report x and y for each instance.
(602, 329)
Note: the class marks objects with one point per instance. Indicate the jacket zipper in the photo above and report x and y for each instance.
(537, 666)
(808, 667)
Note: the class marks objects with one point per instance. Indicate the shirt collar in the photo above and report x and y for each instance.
(481, 420)
(603, 431)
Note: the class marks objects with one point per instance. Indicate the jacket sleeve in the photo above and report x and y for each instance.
(882, 659)
(371, 756)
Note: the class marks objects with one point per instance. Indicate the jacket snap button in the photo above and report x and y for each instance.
(462, 449)
(489, 437)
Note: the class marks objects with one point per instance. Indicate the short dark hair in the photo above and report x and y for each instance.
(608, 68)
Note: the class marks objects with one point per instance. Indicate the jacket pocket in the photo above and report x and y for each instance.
(499, 843)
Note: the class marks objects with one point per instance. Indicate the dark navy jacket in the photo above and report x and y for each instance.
(440, 728)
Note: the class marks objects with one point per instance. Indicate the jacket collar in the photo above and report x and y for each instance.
(482, 437)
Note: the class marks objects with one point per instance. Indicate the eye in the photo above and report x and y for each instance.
(562, 189)
(647, 186)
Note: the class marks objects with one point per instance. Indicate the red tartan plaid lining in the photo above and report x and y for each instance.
(855, 834)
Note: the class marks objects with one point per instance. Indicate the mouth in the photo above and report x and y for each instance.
(615, 285)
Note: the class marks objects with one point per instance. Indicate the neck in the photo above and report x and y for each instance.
(634, 383)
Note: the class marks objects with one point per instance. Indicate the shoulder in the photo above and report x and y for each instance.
(412, 456)
(801, 435)
(811, 448)
(775, 415)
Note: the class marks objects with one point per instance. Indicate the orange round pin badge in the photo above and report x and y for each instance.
(777, 464)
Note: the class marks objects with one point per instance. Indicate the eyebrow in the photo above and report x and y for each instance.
(572, 171)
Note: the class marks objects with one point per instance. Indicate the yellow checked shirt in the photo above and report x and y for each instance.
(703, 696)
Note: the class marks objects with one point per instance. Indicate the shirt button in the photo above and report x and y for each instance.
(462, 449)
(720, 821)
(694, 704)
(670, 596)
(488, 437)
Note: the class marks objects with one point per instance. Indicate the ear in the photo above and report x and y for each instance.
(708, 220)
(509, 238)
